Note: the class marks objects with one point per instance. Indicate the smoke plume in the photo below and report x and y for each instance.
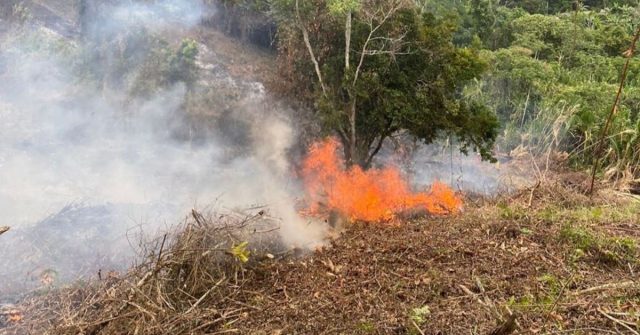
(83, 165)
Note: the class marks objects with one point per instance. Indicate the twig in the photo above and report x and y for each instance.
(618, 322)
(604, 287)
(507, 327)
(164, 239)
(307, 43)
(629, 54)
(558, 297)
(480, 301)
(418, 328)
(533, 189)
(198, 218)
(574, 330)
(4, 230)
(204, 296)
(488, 302)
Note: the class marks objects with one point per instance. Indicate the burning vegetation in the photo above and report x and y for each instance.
(373, 195)
(122, 111)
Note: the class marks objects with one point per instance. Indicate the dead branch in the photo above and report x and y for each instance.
(507, 327)
(620, 322)
(417, 327)
(4, 230)
(609, 286)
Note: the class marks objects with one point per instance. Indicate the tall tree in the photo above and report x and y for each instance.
(376, 67)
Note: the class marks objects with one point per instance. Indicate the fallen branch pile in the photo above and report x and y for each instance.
(187, 284)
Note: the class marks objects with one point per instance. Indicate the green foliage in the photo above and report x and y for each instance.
(551, 69)
(367, 327)
(590, 215)
(554, 73)
(240, 252)
(342, 7)
(182, 64)
(512, 213)
(410, 78)
(420, 315)
(164, 67)
(611, 250)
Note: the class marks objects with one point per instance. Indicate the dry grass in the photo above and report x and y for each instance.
(550, 258)
(188, 283)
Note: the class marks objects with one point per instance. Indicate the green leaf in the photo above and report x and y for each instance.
(240, 252)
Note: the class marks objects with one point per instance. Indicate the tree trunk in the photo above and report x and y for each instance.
(355, 155)
(353, 144)
(347, 43)
(358, 152)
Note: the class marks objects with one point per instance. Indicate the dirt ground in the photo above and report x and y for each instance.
(559, 269)
(549, 258)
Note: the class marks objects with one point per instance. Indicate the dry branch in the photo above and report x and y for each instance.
(620, 322)
(4, 230)
(608, 286)
(507, 327)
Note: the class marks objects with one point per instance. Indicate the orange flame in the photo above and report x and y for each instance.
(13, 316)
(371, 195)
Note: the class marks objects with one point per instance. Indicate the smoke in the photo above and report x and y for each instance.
(442, 161)
(463, 172)
(468, 173)
(82, 166)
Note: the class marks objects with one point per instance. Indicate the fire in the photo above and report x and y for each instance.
(12, 316)
(371, 195)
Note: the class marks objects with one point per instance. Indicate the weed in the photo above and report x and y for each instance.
(366, 327)
(579, 237)
(419, 315)
(552, 287)
(548, 215)
(598, 214)
(526, 231)
(610, 250)
(512, 213)
(527, 303)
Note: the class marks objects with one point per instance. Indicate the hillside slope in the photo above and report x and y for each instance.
(555, 260)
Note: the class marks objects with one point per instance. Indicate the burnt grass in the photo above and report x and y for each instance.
(557, 261)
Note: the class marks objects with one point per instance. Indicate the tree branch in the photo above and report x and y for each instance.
(375, 150)
(394, 7)
(305, 36)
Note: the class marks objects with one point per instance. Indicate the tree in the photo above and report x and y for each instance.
(376, 67)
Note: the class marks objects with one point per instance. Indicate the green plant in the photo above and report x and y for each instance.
(374, 69)
(611, 250)
(366, 327)
(420, 315)
(512, 213)
(240, 252)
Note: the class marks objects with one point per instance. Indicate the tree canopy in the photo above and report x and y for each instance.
(375, 68)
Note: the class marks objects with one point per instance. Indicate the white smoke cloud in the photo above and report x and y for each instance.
(119, 165)
(107, 18)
